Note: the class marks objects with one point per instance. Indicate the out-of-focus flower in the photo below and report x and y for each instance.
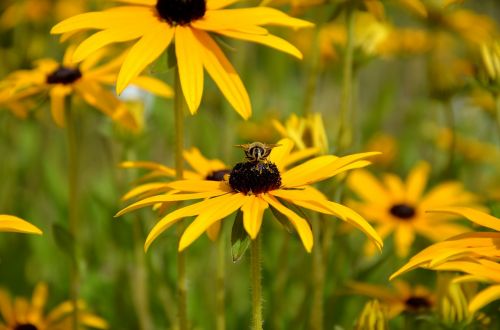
(87, 80)
(400, 207)
(373, 317)
(305, 132)
(22, 314)
(189, 23)
(401, 298)
(476, 254)
(489, 75)
(14, 224)
(254, 186)
(387, 145)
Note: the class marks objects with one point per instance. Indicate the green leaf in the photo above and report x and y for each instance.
(64, 240)
(240, 241)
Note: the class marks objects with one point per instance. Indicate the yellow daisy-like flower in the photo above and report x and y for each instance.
(402, 298)
(400, 207)
(17, 225)
(476, 254)
(305, 132)
(22, 314)
(254, 186)
(187, 23)
(87, 80)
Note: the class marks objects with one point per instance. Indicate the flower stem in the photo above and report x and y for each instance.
(255, 265)
(179, 163)
(318, 277)
(220, 302)
(345, 131)
(450, 118)
(73, 208)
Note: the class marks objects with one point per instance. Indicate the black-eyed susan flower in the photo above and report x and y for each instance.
(14, 224)
(401, 298)
(187, 24)
(87, 80)
(400, 207)
(254, 186)
(475, 254)
(23, 314)
(373, 316)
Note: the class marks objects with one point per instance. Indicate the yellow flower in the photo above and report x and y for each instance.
(22, 314)
(158, 23)
(400, 207)
(17, 225)
(387, 145)
(402, 298)
(373, 317)
(87, 81)
(475, 254)
(254, 186)
(305, 132)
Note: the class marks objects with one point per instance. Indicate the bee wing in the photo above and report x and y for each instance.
(243, 146)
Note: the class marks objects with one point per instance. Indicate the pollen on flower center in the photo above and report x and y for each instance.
(217, 175)
(254, 177)
(180, 12)
(417, 304)
(64, 75)
(25, 326)
(402, 211)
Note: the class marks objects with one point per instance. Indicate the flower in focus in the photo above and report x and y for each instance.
(476, 254)
(254, 186)
(305, 132)
(22, 314)
(17, 225)
(400, 207)
(187, 23)
(401, 298)
(87, 81)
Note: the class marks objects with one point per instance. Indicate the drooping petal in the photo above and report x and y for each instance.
(190, 66)
(300, 224)
(143, 53)
(404, 236)
(153, 85)
(11, 223)
(223, 74)
(225, 206)
(484, 297)
(213, 231)
(58, 96)
(253, 210)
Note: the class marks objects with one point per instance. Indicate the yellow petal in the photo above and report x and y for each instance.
(58, 96)
(404, 236)
(217, 4)
(484, 297)
(198, 162)
(279, 154)
(478, 217)
(143, 53)
(366, 186)
(190, 66)
(151, 188)
(223, 74)
(224, 207)
(17, 225)
(200, 186)
(154, 86)
(253, 210)
(416, 182)
(93, 321)
(300, 224)
(213, 231)
(149, 166)
(140, 2)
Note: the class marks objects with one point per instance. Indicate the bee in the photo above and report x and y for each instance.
(257, 151)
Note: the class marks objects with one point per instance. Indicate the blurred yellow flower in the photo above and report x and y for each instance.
(254, 186)
(401, 298)
(17, 225)
(22, 314)
(476, 254)
(305, 132)
(400, 207)
(187, 23)
(373, 317)
(387, 145)
(87, 81)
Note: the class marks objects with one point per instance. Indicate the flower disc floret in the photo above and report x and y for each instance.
(403, 211)
(255, 177)
(25, 326)
(181, 12)
(64, 75)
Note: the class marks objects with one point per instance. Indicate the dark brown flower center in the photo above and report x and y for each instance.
(254, 177)
(416, 304)
(64, 75)
(402, 211)
(181, 12)
(25, 326)
(217, 175)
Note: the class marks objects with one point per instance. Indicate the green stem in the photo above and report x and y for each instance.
(280, 282)
(255, 265)
(497, 110)
(318, 277)
(345, 129)
(220, 297)
(179, 164)
(314, 71)
(450, 118)
(73, 208)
